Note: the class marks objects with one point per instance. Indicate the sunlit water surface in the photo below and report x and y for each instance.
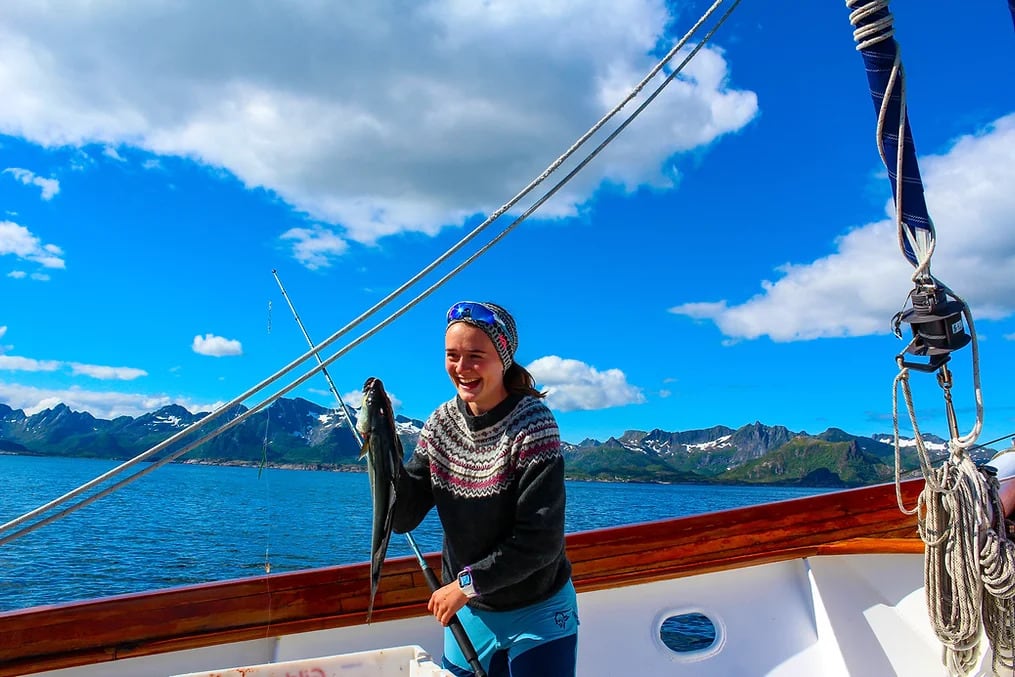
(185, 524)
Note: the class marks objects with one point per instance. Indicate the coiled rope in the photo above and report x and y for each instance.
(969, 560)
(170, 447)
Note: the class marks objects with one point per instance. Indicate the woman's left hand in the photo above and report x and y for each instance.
(446, 601)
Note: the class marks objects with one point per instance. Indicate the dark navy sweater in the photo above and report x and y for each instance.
(497, 480)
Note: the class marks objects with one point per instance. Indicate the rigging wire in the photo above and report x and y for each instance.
(235, 402)
(935, 459)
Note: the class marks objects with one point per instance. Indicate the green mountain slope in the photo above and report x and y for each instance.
(614, 462)
(814, 462)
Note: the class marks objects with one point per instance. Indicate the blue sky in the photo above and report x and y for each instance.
(731, 257)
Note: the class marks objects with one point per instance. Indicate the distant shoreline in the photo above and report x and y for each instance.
(332, 467)
(328, 467)
(361, 468)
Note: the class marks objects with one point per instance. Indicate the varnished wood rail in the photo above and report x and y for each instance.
(864, 520)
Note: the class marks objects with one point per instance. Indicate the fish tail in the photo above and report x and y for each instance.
(370, 607)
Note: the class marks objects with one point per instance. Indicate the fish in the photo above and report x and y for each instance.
(383, 451)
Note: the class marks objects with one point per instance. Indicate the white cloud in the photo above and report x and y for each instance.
(18, 363)
(3, 330)
(20, 242)
(572, 385)
(314, 102)
(15, 363)
(112, 154)
(106, 405)
(17, 274)
(107, 373)
(354, 399)
(1008, 337)
(216, 346)
(858, 289)
(316, 247)
(49, 187)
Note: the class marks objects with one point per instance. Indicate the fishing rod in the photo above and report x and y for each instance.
(324, 370)
(455, 625)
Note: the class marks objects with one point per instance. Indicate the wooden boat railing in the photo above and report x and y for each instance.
(865, 520)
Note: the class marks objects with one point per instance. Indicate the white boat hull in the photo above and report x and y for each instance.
(824, 615)
(825, 585)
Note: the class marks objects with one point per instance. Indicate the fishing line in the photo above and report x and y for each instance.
(267, 487)
(267, 491)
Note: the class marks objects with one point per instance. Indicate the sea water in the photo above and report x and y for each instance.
(183, 524)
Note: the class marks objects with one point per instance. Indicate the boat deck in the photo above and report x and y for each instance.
(254, 620)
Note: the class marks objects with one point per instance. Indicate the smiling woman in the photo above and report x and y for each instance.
(490, 461)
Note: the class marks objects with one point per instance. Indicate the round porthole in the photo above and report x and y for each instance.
(688, 632)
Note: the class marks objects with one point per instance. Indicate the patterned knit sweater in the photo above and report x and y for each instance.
(497, 480)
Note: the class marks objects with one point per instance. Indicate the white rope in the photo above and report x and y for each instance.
(969, 439)
(997, 559)
(969, 565)
(969, 562)
(867, 36)
(314, 352)
(954, 596)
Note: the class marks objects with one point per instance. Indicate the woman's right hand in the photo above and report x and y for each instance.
(446, 601)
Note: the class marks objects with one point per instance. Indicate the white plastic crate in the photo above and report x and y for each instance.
(409, 661)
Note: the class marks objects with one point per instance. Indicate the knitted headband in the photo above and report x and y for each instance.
(494, 321)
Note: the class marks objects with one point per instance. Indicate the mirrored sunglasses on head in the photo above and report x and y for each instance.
(477, 312)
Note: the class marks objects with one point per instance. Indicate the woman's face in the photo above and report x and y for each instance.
(474, 367)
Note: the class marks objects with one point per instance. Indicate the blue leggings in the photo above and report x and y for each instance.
(557, 658)
(540, 639)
